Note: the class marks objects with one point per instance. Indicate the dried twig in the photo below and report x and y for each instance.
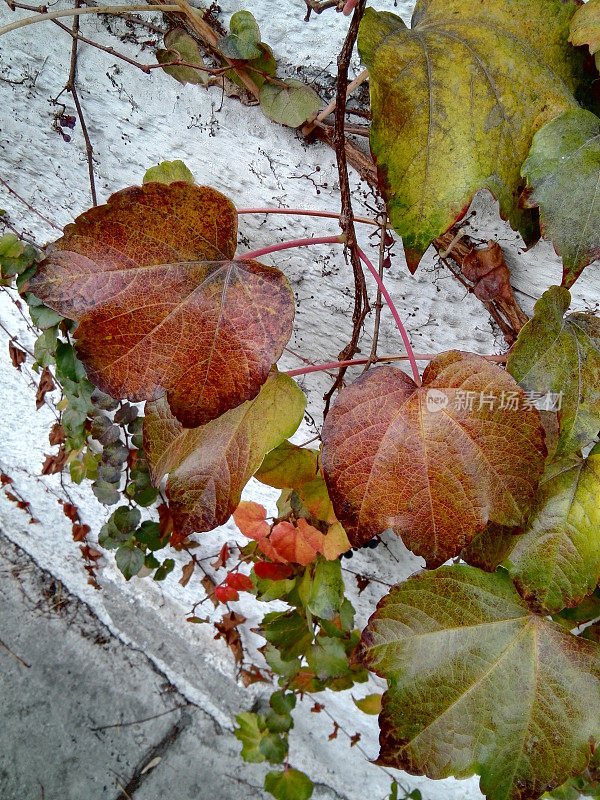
(29, 206)
(14, 655)
(361, 299)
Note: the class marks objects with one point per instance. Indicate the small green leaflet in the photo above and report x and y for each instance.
(169, 172)
(291, 104)
(456, 100)
(563, 176)
(556, 562)
(244, 38)
(480, 684)
(181, 46)
(289, 785)
(559, 354)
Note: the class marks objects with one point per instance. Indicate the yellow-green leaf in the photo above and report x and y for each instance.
(169, 172)
(288, 466)
(371, 704)
(585, 27)
(290, 104)
(556, 562)
(209, 466)
(181, 46)
(456, 100)
(480, 684)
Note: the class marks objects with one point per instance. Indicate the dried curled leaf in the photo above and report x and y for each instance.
(563, 175)
(161, 304)
(556, 562)
(209, 466)
(480, 684)
(450, 116)
(435, 463)
(561, 354)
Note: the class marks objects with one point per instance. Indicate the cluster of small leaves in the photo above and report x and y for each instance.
(288, 102)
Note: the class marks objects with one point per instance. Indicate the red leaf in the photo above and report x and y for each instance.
(272, 572)
(299, 545)
(162, 304)
(225, 594)
(239, 582)
(222, 559)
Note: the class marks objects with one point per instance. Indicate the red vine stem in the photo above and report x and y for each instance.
(499, 359)
(273, 248)
(303, 212)
(396, 316)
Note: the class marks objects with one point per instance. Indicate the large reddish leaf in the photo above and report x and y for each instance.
(480, 684)
(161, 304)
(420, 461)
(209, 466)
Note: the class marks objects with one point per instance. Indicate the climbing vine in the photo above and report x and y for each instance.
(487, 467)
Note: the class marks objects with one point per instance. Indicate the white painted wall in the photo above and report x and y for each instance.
(136, 121)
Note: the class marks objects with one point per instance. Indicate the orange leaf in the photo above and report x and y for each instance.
(272, 572)
(295, 544)
(239, 582)
(435, 463)
(161, 303)
(335, 542)
(251, 519)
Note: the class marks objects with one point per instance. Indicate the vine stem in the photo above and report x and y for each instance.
(499, 359)
(330, 107)
(396, 316)
(302, 212)
(76, 12)
(273, 248)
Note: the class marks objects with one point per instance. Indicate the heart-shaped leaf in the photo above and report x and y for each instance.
(288, 466)
(289, 785)
(556, 562)
(181, 46)
(585, 27)
(289, 102)
(209, 466)
(561, 355)
(161, 304)
(456, 100)
(244, 37)
(478, 683)
(435, 463)
(563, 176)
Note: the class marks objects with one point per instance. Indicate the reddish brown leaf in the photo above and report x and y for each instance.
(435, 463)
(209, 587)
(5, 479)
(355, 739)
(186, 573)
(165, 520)
(162, 305)
(230, 621)
(317, 708)
(227, 630)
(54, 463)
(57, 434)
(80, 531)
(253, 675)
(70, 511)
(362, 582)
(45, 385)
(487, 270)
(334, 733)
(222, 559)
(17, 356)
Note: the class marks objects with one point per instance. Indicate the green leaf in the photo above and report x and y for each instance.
(479, 683)
(289, 785)
(164, 569)
(563, 176)
(288, 632)
(209, 466)
(266, 63)
(106, 493)
(291, 104)
(273, 748)
(15, 257)
(323, 592)
(556, 562)
(44, 347)
(250, 733)
(288, 466)
(169, 172)
(129, 560)
(149, 534)
(286, 668)
(67, 363)
(41, 316)
(125, 519)
(327, 657)
(456, 100)
(243, 41)
(587, 610)
(559, 354)
(180, 45)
